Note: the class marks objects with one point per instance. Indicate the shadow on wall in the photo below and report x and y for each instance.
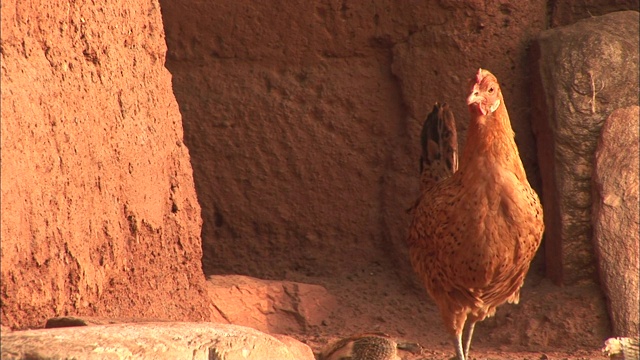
(299, 146)
(302, 118)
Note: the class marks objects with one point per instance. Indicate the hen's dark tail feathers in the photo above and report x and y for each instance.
(439, 142)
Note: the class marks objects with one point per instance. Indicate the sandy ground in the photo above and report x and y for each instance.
(550, 322)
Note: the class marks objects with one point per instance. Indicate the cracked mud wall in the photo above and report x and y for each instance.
(99, 212)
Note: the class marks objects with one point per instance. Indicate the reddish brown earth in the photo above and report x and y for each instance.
(99, 213)
(561, 323)
(301, 123)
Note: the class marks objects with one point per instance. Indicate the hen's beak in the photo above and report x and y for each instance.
(476, 99)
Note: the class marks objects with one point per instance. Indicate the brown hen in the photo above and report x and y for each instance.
(474, 231)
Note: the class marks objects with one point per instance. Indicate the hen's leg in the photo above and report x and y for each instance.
(455, 320)
(459, 351)
(459, 321)
(467, 345)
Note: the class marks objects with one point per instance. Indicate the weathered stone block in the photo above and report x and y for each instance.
(616, 233)
(584, 72)
(148, 341)
(268, 305)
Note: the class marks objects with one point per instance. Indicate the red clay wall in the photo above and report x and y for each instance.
(99, 212)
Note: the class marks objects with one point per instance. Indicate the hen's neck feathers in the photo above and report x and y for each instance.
(491, 138)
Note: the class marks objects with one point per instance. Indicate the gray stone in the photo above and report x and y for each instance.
(146, 341)
(615, 218)
(582, 73)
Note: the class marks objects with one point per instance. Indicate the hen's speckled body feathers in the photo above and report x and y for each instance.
(474, 233)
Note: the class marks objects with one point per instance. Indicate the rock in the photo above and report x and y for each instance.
(296, 348)
(270, 306)
(569, 11)
(99, 210)
(299, 350)
(147, 341)
(70, 321)
(582, 73)
(616, 220)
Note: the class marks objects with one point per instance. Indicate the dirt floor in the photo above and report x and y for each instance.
(549, 323)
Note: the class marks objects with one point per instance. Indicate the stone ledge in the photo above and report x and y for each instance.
(166, 340)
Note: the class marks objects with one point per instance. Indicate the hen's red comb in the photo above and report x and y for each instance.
(479, 76)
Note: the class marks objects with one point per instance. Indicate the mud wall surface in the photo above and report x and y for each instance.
(99, 212)
(303, 118)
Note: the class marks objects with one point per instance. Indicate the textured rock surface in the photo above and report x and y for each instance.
(146, 341)
(583, 73)
(70, 321)
(299, 350)
(616, 220)
(97, 190)
(270, 306)
(567, 12)
(303, 119)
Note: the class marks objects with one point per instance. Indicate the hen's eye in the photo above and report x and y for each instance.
(490, 90)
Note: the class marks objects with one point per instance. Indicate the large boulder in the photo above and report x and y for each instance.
(99, 211)
(583, 72)
(163, 340)
(616, 231)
